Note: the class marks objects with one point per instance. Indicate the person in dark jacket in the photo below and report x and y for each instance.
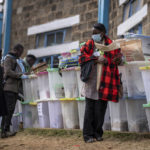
(28, 62)
(12, 76)
(26, 67)
(96, 100)
(3, 107)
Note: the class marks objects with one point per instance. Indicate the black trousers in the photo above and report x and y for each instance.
(11, 99)
(94, 118)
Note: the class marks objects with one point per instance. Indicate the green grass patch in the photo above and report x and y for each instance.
(54, 132)
(126, 136)
(122, 136)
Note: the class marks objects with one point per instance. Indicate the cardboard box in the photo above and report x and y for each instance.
(132, 50)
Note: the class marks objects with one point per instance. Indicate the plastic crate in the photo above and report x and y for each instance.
(43, 114)
(70, 113)
(70, 83)
(147, 110)
(55, 114)
(43, 85)
(30, 115)
(136, 116)
(135, 84)
(146, 80)
(81, 111)
(55, 84)
(118, 116)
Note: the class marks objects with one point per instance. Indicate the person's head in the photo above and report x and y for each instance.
(31, 59)
(18, 50)
(99, 32)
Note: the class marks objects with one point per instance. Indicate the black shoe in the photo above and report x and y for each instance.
(3, 135)
(91, 140)
(99, 139)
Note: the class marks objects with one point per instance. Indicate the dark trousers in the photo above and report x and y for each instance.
(11, 99)
(94, 118)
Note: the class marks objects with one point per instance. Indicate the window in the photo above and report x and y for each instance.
(40, 40)
(52, 60)
(131, 8)
(134, 7)
(48, 60)
(55, 61)
(137, 29)
(126, 12)
(67, 37)
(41, 60)
(50, 39)
(53, 38)
(59, 37)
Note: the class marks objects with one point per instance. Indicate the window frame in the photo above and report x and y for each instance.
(51, 57)
(45, 44)
(139, 29)
(46, 34)
(46, 38)
(37, 41)
(130, 3)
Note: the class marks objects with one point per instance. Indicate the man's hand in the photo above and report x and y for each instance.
(101, 60)
(24, 76)
(27, 73)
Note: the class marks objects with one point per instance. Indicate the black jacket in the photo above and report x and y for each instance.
(3, 106)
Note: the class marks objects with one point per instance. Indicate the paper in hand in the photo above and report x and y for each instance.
(104, 48)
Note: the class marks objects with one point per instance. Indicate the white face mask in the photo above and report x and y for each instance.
(96, 37)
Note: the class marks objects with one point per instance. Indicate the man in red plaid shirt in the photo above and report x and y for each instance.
(96, 101)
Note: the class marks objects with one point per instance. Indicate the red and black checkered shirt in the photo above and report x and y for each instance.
(110, 80)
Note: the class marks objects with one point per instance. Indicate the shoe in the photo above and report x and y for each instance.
(3, 135)
(91, 140)
(99, 139)
(8, 133)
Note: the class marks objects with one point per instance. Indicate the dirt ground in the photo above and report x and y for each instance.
(24, 141)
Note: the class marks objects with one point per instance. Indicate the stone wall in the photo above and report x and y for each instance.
(115, 17)
(35, 12)
(146, 21)
(42, 11)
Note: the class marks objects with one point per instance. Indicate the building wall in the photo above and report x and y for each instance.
(116, 18)
(146, 22)
(38, 12)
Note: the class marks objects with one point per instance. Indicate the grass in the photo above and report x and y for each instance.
(126, 136)
(122, 136)
(54, 132)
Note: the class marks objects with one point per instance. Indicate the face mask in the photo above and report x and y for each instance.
(96, 37)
